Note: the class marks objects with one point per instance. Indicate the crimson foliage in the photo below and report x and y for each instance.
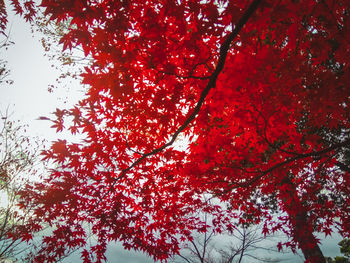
(259, 88)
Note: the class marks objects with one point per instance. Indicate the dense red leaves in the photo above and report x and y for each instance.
(3, 17)
(267, 138)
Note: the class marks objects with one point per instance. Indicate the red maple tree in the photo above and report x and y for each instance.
(259, 88)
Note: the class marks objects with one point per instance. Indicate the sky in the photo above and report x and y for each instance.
(28, 99)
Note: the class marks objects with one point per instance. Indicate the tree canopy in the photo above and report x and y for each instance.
(258, 90)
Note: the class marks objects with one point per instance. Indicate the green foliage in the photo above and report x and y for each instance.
(344, 249)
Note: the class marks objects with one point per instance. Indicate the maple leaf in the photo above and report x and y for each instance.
(256, 91)
(279, 246)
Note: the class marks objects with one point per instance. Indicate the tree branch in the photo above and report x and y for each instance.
(289, 160)
(210, 85)
(343, 167)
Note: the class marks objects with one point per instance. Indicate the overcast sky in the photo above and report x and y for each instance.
(28, 98)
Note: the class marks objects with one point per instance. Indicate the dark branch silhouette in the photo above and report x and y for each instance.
(211, 84)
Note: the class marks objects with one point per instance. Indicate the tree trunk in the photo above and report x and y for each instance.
(306, 239)
(302, 229)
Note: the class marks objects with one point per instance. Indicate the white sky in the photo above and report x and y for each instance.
(28, 98)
